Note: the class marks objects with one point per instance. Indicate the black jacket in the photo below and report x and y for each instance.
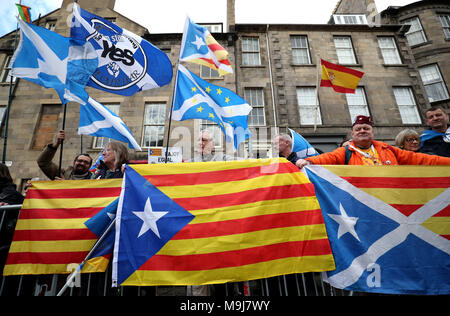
(9, 194)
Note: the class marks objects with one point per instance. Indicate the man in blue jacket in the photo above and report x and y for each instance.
(436, 139)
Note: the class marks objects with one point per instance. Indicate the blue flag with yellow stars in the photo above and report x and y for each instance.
(196, 98)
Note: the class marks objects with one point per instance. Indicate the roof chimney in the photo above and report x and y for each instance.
(231, 20)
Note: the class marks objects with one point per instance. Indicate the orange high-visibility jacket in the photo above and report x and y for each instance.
(388, 154)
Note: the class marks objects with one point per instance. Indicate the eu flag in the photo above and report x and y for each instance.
(146, 220)
(196, 98)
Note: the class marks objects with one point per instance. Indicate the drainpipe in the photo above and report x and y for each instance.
(271, 78)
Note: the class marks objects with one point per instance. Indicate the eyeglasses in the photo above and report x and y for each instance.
(83, 161)
(410, 140)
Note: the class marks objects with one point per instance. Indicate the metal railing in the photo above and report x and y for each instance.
(99, 284)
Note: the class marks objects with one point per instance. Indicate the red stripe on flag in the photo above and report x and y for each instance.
(406, 209)
(215, 46)
(398, 183)
(220, 176)
(45, 257)
(235, 258)
(351, 71)
(444, 213)
(328, 83)
(249, 196)
(250, 224)
(74, 193)
(54, 234)
(37, 213)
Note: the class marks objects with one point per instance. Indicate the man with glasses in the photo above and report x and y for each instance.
(78, 171)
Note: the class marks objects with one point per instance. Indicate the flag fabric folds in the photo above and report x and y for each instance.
(50, 236)
(251, 219)
(388, 227)
(301, 146)
(198, 46)
(196, 98)
(127, 62)
(340, 78)
(97, 120)
(24, 12)
(53, 61)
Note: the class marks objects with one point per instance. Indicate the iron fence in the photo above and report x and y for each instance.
(99, 284)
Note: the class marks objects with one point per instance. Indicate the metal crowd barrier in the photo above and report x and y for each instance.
(99, 284)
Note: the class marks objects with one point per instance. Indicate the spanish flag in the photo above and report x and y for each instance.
(341, 79)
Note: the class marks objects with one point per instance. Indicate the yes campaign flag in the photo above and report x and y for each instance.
(389, 227)
(127, 62)
(301, 146)
(196, 98)
(198, 46)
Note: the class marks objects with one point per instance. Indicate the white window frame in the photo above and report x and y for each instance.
(433, 82)
(255, 98)
(215, 131)
(406, 105)
(251, 51)
(300, 50)
(445, 23)
(209, 73)
(357, 103)
(389, 50)
(344, 50)
(100, 142)
(350, 19)
(415, 34)
(306, 100)
(154, 123)
(50, 25)
(6, 71)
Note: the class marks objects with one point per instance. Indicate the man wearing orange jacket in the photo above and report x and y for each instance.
(364, 150)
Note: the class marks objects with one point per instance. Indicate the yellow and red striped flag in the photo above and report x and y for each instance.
(199, 46)
(50, 235)
(251, 219)
(340, 78)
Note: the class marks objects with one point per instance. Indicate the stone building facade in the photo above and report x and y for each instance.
(276, 69)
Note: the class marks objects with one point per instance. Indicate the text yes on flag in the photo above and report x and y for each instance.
(388, 227)
(127, 62)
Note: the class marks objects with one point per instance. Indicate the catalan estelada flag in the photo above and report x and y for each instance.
(24, 12)
(389, 227)
(51, 235)
(198, 46)
(216, 222)
(341, 79)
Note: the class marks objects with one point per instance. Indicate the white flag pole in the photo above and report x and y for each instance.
(318, 78)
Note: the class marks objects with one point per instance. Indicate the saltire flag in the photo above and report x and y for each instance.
(196, 98)
(50, 235)
(340, 78)
(251, 219)
(198, 46)
(389, 227)
(24, 12)
(127, 62)
(97, 120)
(429, 134)
(54, 61)
(301, 146)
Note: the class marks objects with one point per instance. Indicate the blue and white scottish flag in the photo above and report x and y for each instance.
(97, 120)
(127, 62)
(146, 220)
(53, 61)
(301, 146)
(196, 98)
(388, 227)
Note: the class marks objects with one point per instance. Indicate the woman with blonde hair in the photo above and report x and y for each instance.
(408, 139)
(115, 154)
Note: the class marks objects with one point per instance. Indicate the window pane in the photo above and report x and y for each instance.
(415, 34)
(344, 50)
(434, 85)
(389, 50)
(407, 106)
(255, 98)
(154, 120)
(357, 103)
(250, 52)
(306, 98)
